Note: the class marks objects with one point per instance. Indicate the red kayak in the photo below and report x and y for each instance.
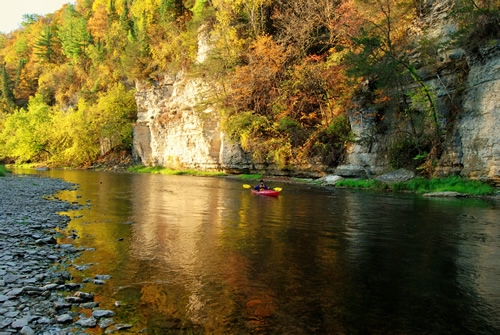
(270, 193)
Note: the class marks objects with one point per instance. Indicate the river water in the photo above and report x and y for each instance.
(202, 255)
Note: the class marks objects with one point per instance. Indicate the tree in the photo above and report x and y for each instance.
(16, 56)
(98, 21)
(73, 34)
(381, 56)
(84, 7)
(112, 118)
(6, 93)
(171, 11)
(255, 85)
(44, 46)
(72, 144)
(29, 19)
(25, 132)
(479, 22)
(306, 25)
(125, 20)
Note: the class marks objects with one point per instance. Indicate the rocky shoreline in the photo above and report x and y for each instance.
(36, 292)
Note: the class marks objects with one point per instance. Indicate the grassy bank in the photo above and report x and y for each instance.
(3, 171)
(160, 170)
(422, 185)
(416, 185)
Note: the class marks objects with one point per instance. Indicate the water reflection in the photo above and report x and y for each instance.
(204, 254)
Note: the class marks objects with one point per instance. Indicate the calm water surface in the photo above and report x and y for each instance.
(195, 255)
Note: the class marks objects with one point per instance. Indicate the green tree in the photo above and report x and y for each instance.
(25, 132)
(73, 34)
(381, 55)
(29, 19)
(6, 93)
(167, 11)
(479, 23)
(125, 20)
(44, 46)
(112, 117)
(72, 144)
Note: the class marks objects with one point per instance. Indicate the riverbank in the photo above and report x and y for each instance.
(36, 292)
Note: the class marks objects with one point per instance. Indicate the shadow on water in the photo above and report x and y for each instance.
(203, 255)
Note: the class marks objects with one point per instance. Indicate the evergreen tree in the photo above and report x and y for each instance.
(112, 12)
(20, 66)
(6, 93)
(167, 8)
(125, 21)
(73, 34)
(44, 45)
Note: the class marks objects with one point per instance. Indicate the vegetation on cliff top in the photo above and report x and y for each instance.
(284, 74)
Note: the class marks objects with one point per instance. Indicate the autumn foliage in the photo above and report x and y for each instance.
(283, 72)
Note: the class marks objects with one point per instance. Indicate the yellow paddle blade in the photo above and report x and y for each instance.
(246, 186)
(277, 189)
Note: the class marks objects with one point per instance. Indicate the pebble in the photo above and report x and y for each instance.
(35, 295)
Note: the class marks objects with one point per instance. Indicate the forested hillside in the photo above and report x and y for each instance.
(284, 73)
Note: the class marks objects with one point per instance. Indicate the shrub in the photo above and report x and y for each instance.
(407, 152)
(25, 133)
(251, 176)
(3, 171)
(371, 184)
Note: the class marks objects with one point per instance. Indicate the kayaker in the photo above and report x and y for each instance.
(261, 186)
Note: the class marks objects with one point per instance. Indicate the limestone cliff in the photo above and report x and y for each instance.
(175, 130)
(472, 141)
(471, 145)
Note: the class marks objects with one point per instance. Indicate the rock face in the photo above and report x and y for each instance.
(477, 128)
(174, 130)
(472, 145)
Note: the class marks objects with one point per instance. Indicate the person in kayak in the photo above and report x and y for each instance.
(261, 186)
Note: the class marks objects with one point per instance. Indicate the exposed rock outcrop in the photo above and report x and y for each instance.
(398, 176)
(176, 130)
(474, 143)
(173, 131)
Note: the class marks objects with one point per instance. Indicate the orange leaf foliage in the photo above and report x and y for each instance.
(254, 85)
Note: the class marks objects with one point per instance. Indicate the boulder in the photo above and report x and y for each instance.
(350, 171)
(446, 194)
(330, 180)
(396, 176)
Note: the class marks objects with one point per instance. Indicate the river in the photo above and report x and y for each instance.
(202, 255)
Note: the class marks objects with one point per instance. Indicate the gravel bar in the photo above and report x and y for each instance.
(36, 295)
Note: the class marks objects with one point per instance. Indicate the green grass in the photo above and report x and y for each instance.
(422, 185)
(250, 176)
(448, 184)
(371, 184)
(3, 171)
(161, 170)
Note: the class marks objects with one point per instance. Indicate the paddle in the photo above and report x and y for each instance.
(278, 189)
